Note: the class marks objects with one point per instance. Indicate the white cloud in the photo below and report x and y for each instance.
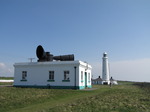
(6, 70)
(2, 65)
(131, 70)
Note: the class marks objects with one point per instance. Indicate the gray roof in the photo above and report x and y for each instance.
(98, 79)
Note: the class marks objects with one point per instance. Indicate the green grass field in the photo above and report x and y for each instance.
(6, 83)
(6, 78)
(126, 97)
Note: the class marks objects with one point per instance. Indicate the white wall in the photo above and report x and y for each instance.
(105, 68)
(38, 73)
(88, 71)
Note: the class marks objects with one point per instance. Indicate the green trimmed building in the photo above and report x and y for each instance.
(55, 75)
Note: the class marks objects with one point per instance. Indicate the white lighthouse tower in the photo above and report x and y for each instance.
(105, 69)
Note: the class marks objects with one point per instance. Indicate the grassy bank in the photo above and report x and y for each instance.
(131, 97)
(6, 83)
(6, 78)
(118, 99)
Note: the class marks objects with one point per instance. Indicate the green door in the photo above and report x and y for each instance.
(85, 79)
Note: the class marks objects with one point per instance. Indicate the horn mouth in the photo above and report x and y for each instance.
(40, 52)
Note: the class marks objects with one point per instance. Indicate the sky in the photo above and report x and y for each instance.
(85, 28)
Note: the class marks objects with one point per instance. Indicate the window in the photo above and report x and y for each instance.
(89, 77)
(66, 76)
(81, 76)
(24, 76)
(51, 76)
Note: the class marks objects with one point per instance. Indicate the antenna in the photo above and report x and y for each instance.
(31, 59)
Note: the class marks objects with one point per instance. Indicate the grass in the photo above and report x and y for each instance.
(127, 97)
(6, 83)
(116, 99)
(6, 78)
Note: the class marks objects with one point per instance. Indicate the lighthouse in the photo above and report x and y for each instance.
(105, 70)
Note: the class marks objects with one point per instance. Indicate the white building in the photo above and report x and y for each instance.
(54, 74)
(106, 80)
(105, 69)
(97, 80)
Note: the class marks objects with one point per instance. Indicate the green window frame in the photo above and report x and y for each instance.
(24, 76)
(66, 76)
(51, 76)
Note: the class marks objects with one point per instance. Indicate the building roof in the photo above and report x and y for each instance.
(98, 79)
(77, 62)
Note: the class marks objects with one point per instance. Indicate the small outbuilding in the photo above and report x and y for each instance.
(100, 81)
(97, 80)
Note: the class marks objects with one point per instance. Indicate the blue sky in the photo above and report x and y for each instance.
(86, 28)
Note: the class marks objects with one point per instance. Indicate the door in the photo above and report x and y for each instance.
(85, 79)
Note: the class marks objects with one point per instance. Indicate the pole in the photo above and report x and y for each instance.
(75, 77)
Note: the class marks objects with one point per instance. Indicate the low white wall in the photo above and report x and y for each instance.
(6, 80)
